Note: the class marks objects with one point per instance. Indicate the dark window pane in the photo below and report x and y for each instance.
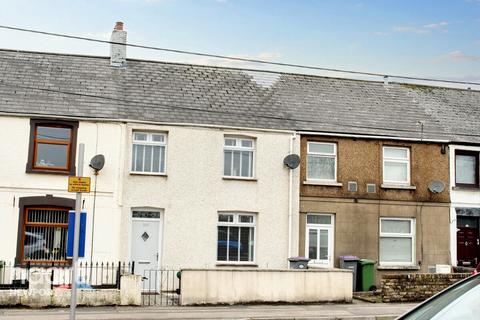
(233, 244)
(139, 158)
(222, 244)
(246, 244)
(51, 155)
(323, 245)
(162, 159)
(52, 133)
(225, 217)
(246, 162)
(227, 163)
(148, 159)
(156, 159)
(236, 164)
(312, 243)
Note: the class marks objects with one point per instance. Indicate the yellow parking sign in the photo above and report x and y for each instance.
(79, 184)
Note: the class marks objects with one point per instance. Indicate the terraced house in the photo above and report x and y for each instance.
(195, 175)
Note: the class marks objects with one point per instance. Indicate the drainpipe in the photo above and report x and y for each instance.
(290, 201)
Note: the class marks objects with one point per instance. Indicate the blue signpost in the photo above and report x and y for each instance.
(70, 234)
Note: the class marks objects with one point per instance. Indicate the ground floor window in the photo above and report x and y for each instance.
(236, 237)
(397, 241)
(45, 235)
(319, 238)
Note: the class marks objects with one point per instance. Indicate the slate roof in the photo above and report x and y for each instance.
(86, 86)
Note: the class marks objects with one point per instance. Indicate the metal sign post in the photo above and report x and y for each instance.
(78, 208)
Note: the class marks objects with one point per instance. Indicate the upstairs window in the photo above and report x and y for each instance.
(322, 161)
(52, 147)
(396, 165)
(466, 168)
(238, 156)
(148, 153)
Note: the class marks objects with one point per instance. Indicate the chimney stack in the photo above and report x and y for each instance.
(118, 52)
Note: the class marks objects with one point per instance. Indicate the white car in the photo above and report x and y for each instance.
(460, 301)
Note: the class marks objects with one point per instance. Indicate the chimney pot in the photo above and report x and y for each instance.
(119, 26)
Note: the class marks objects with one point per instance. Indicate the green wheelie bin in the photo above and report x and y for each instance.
(367, 275)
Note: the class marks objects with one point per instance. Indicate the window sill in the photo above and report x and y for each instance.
(235, 264)
(239, 178)
(57, 172)
(148, 174)
(323, 183)
(398, 267)
(398, 186)
(466, 188)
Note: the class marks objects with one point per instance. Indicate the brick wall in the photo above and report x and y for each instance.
(416, 287)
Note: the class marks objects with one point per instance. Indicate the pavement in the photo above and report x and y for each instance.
(356, 311)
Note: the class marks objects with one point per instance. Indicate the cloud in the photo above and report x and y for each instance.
(423, 29)
(456, 56)
(380, 33)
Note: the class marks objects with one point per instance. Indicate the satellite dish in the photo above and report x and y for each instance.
(97, 162)
(436, 186)
(292, 161)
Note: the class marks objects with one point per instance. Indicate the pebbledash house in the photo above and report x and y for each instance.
(194, 171)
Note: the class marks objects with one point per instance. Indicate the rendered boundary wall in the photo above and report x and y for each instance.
(40, 294)
(237, 286)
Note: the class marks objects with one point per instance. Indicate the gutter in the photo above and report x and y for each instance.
(349, 135)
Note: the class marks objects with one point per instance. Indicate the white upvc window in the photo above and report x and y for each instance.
(238, 155)
(322, 161)
(236, 237)
(149, 152)
(397, 241)
(396, 165)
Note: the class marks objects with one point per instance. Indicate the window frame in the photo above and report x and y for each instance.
(238, 147)
(411, 235)
(330, 227)
(31, 166)
(36, 202)
(27, 223)
(406, 161)
(467, 153)
(149, 142)
(333, 155)
(238, 224)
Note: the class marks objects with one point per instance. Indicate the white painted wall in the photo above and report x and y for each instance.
(15, 183)
(194, 191)
(210, 286)
(459, 198)
(189, 196)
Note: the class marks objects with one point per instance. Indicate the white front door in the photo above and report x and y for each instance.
(319, 240)
(145, 250)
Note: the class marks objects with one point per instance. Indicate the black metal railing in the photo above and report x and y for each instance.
(92, 275)
(161, 287)
(96, 275)
(14, 277)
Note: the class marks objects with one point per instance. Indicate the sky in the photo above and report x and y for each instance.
(427, 38)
